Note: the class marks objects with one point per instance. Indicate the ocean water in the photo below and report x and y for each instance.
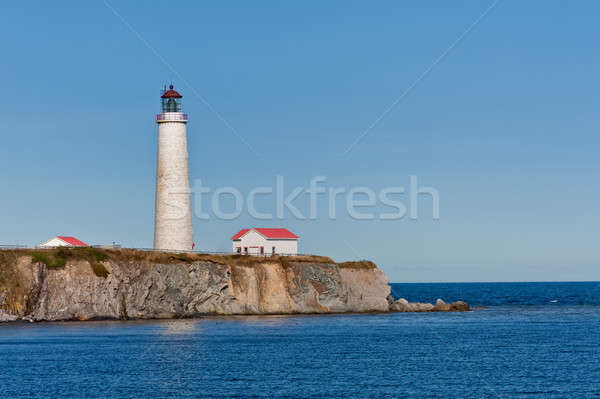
(531, 340)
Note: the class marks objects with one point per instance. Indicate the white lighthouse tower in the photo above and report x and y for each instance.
(173, 215)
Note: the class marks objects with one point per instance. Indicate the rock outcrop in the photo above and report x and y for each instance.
(402, 305)
(137, 285)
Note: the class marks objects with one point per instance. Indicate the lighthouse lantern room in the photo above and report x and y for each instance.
(171, 107)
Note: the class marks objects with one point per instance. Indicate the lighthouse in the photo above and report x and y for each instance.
(173, 213)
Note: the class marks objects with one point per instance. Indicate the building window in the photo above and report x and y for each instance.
(238, 250)
(273, 251)
(245, 250)
(262, 250)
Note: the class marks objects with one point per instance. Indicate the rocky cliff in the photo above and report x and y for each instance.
(89, 284)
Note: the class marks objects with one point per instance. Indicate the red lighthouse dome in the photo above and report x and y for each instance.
(171, 93)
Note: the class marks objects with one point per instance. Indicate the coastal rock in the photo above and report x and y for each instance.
(7, 317)
(399, 306)
(134, 287)
(441, 306)
(364, 290)
(390, 299)
(460, 306)
(402, 302)
(402, 305)
(4, 316)
(421, 307)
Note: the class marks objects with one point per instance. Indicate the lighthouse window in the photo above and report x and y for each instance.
(171, 105)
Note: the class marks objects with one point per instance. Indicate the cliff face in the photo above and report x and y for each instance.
(143, 289)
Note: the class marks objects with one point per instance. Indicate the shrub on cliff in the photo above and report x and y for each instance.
(55, 258)
(94, 257)
(52, 259)
(100, 270)
(361, 264)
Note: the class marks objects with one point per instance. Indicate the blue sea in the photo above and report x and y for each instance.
(528, 340)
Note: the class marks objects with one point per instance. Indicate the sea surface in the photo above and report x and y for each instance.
(529, 340)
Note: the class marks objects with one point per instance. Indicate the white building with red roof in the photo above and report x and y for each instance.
(265, 242)
(63, 241)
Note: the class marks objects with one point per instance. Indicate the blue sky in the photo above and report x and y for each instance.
(505, 126)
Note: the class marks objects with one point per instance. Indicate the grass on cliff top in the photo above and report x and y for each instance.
(54, 258)
(360, 264)
(232, 259)
(225, 259)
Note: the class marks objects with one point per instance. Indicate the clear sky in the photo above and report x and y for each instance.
(505, 126)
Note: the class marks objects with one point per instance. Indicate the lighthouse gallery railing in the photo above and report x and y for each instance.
(171, 116)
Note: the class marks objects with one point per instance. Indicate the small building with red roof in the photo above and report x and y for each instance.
(63, 241)
(265, 242)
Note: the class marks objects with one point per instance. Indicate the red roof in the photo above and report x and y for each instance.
(171, 93)
(268, 233)
(276, 233)
(73, 241)
(239, 234)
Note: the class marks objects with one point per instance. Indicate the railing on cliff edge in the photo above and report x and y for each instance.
(118, 247)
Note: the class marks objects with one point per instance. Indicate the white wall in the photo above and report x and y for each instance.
(55, 242)
(253, 239)
(173, 217)
(287, 247)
